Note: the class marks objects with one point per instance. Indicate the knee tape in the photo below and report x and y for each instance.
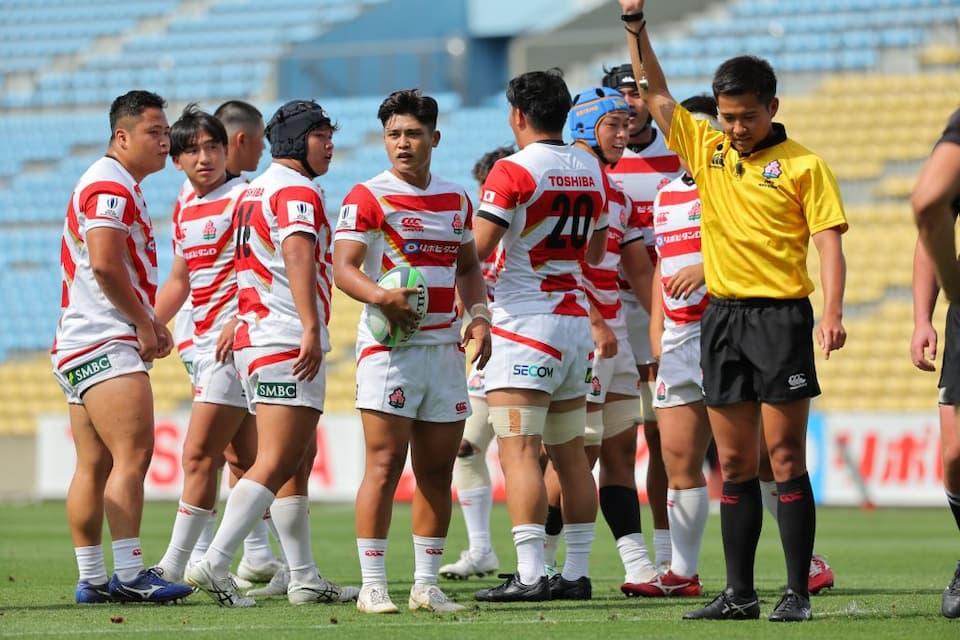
(562, 427)
(618, 416)
(593, 434)
(518, 421)
(647, 414)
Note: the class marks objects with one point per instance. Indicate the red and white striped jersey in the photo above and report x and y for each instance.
(601, 281)
(106, 196)
(549, 196)
(677, 226)
(640, 175)
(275, 205)
(203, 235)
(406, 226)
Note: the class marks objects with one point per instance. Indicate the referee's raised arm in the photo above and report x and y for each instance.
(646, 66)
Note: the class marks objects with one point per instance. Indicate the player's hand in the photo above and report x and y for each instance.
(830, 334)
(308, 362)
(147, 340)
(684, 282)
(397, 310)
(631, 6)
(478, 331)
(225, 340)
(923, 347)
(164, 340)
(604, 340)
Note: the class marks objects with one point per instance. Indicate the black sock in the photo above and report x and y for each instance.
(797, 517)
(741, 517)
(954, 501)
(621, 510)
(554, 524)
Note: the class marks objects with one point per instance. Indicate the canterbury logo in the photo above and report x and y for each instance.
(795, 496)
(725, 499)
(184, 511)
(137, 553)
(373, 553)
(434, 552)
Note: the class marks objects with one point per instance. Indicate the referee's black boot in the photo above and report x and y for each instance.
(950, 603)
(515, 591)
(792, 607)
(563, 589)
(728, 606)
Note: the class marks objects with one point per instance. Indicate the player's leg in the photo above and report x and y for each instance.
(656, 471)
(386, 438)
(950, 451)
(553, 525)
(85, 507)
(433, 449)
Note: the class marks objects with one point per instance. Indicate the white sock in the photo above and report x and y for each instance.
(662, 547)
(90, 564)
(291, 516)
(127, 558)
(245, 507)
(206, 537)
(636, 560)
(476, 505)
(688, 510)
(373, 560)
(256, 546)
(579, 539)
(276, 536)
(770, 497)
(187, 528)
(551, 547)
(528, 539)
(427, 554)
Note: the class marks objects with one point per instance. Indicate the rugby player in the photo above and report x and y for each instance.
(764, 196)
(283, 275)
(106, 340)
(471, 477)
(936, 201)
(546, 208)
(598, 124)
(646, 166)
(409, 216)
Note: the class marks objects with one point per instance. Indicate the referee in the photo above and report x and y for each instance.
(764, 196)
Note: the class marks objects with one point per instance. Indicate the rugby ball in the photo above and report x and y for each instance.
(398, 278)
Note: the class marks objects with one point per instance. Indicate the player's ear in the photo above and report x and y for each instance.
(240, 138)
(176, 163)
(121, 137)
(436, 138)
(774, 106)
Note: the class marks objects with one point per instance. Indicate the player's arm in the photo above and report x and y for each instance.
(937, 187)
(639, 271)
(645, 65)
(833, 275)
(656, 316)
(299, 258)
(106, 246)
(348, 257)
(923, 344)
(603, 338)
(472, 291)
(174, 291)
(488, 230)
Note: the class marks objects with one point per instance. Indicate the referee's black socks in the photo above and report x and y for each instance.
(741, 516)
(797, 517)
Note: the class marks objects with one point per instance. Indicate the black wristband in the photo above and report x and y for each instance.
(632, 17)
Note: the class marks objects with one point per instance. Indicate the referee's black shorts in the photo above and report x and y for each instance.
(757, 350)
(949, 384)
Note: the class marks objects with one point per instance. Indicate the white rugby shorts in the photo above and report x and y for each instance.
(217, 382)
(425, 382)
(679, 378)
(638, 332)
(548, 353)
(614, 375)
(266, 374)
(79, 369)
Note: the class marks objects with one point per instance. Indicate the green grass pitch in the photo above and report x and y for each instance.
(891, 567)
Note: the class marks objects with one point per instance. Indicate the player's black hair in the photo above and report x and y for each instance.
(543, 97)
(745, 75)
(184, 132)
(237, 114)
(133, 104)
(701, 104)
(485, 163)
(409, 102)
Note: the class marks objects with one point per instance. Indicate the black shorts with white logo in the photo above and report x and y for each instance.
(757, 350)
(949, 384)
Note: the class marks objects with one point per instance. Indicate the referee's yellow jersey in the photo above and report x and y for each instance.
(759, 210)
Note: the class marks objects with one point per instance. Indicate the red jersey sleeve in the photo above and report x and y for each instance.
(508, 186)
(361, 216)
(108, 204)
(298, 209)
